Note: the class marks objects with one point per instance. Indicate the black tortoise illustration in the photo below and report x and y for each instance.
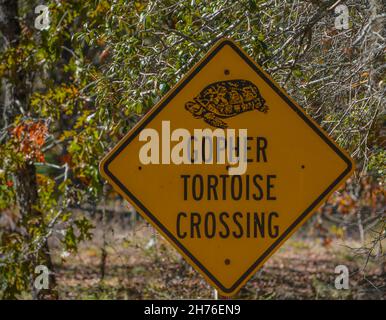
(226, 99)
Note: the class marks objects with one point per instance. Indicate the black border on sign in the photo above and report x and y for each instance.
(292, 226)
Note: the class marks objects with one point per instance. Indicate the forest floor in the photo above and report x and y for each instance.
(137, 267)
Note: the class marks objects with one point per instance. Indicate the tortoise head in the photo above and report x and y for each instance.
(195, 108)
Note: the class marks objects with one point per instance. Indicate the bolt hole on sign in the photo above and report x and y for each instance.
(226, 166)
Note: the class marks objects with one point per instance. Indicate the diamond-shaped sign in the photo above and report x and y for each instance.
(226, 166)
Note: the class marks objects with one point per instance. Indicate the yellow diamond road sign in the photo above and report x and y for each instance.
(226, 166)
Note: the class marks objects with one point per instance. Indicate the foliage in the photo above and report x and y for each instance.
(100, 66)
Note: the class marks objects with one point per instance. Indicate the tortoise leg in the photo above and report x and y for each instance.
(261, 106)
(211, 119)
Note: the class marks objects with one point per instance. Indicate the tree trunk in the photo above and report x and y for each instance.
(27, 198)
(9, 36)
(14, 99)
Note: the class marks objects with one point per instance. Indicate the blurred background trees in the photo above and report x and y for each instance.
(70, 91)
